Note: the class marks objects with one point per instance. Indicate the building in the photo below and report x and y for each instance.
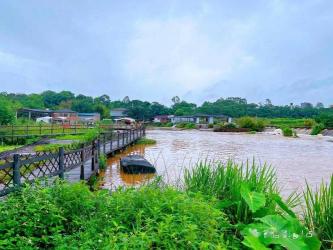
(57, 116)
(89, 117)
(201, 119)
(162, 118)
(118, 113)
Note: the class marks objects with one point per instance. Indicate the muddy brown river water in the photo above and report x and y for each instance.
(295, 159)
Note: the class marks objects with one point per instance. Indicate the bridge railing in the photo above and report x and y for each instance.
(21, 168)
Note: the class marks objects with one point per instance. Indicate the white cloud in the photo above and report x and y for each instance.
(183, 54)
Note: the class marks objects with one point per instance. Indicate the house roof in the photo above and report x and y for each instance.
(64, 111)
(119, 109)
(88, 114)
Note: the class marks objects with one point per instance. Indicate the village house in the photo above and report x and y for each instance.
(47, 115)
(162, 118)
(89, 117)
(118, 113)
(201, 119)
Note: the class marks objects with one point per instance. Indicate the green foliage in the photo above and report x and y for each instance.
(318, 212)
(145, 141)
(249, 197)
(326, 118)
(229, 125)
(290, 122)
(69, 216)
(227, 181)
(6, 112)
(286, 131)
(50, 147)
(102, 161)
(251, 123)
(186, 125)
(317, 128)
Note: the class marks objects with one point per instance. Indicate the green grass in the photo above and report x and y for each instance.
(145, 141)
(7, 148)
(290, 122)
(318, 212)
(251, 123)
(69, 216)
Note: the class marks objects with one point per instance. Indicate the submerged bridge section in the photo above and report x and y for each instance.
(73, 165)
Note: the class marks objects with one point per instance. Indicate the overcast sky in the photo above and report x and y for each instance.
(153, 50)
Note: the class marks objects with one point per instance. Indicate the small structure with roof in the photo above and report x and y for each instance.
(201, 119)
(117, 113)
(162, 118)
(89, 117)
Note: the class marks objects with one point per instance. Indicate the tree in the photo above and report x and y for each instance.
(175, 99)
(319, 105)
(6, 112)
(126, 99)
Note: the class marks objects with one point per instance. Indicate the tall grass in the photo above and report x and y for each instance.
(318, 212)
(225, 181)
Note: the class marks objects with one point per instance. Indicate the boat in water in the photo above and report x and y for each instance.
(136, 164)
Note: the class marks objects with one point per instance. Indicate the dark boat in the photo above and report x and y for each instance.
(136, 164)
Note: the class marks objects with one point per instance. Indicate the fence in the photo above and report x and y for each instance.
(19, 169)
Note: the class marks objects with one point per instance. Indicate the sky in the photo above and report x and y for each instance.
(154, 50)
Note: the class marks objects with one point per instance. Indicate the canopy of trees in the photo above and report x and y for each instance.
(144, 110)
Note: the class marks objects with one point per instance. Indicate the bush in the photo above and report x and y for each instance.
(102, 161)
(251, 123)
(190, 126)
(229, 125)
(286, 131)
(145, 141)
(317, 128)
(210, 125)
(308, 123)
(69, 216)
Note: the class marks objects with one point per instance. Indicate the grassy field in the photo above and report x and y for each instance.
(289, 122)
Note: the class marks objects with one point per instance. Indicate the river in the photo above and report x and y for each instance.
(295, 159)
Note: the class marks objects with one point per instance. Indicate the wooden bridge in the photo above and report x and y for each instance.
(73, 165)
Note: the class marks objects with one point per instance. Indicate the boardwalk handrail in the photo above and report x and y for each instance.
(12, 132)
(16, 170)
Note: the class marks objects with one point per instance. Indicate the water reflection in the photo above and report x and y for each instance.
(114, 177)
(295, 159)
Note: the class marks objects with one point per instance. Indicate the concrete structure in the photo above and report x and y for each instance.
(117, 113)
(58, 116)
(201, 119)
(89, 117)
(163, 118)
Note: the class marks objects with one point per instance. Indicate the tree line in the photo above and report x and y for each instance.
(144, 110)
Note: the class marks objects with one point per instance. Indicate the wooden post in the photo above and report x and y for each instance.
(82, 163)
(123, 139)
(16, 170)
(61, 162)
(118, 139)
(111, 141)
(104, 144)
(93, 156)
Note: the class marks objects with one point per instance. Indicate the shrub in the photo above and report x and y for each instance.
(251, 123)
(249, 196)
(210, 125)
(229, 125)
(69, 216)
(190, 126)
(318, 212)
(102, 161)
(286, 131)
(180, 125)
(145, 141)
(317, 128)
(308, 123)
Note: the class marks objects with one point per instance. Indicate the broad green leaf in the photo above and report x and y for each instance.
(276, 223)
(290, 243)
(253, 243)
(254, 200)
